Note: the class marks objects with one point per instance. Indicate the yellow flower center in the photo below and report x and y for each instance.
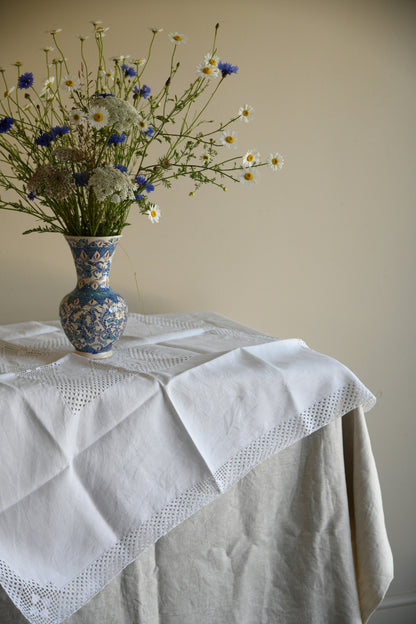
(142, 124)
(205, 157)
(248, 176)
(212, 62)
(250, 157)
(275, 161)
(177, 38)
(154, 213)
(98, 116)
(229, 139)
(76, 117)
(207, 70)
(246, 113)
(69, 83)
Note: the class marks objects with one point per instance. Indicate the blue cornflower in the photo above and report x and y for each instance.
(6, 123)
(81, 178)
(226, 69)
(129, 71)
(44, 139)
(145, 91)
(116, 138)
(59, 131)
(139, 197)
(140, 181)
(121, 168)
(25, 80)
(149, 132)
(31, 195)
(104, 95)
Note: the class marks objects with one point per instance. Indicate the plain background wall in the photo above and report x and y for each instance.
(323, 250)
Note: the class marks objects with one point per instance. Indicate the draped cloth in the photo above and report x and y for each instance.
(101, 459)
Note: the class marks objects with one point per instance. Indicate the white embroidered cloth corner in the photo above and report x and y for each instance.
(101, 458)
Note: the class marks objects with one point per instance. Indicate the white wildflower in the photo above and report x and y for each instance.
(153, 213)
(248, 176)
(251, 158)
(246, 113)
(275, 161)
(177, 38)
(122, 115)
(98, 117)
(229, 139)
(108, 182)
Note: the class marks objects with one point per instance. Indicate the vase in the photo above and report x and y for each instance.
(93, 316)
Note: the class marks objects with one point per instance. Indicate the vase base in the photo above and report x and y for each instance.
(95, 356)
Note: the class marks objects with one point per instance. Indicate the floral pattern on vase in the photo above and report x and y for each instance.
(93, 316)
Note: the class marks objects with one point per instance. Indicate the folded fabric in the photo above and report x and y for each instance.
(101, 458)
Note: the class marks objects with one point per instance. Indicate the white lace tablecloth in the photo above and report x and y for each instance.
(101, 458)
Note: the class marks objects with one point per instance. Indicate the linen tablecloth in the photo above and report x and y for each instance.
(101, 459)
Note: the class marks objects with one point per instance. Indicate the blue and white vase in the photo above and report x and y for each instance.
(93, 316)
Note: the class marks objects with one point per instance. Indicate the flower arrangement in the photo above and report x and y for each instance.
(83, 149)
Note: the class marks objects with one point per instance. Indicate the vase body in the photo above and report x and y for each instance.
(93, 316)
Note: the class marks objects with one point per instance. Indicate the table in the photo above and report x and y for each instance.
(254, 448)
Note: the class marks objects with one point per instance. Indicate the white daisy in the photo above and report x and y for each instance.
(153, 213)
(101, 30)
(47, 85)
(139, 61)
(47, 94)
(251, 158)
(229, 139)
(210, 59)
(246, 113)
(205, 157)
(177, 38)
(82, 37)
(54, 31)
(98, 117)
(248, 176)
(76, 117)
(47, 49)
(8, 92)
(207, 71)
(275, 161)
(121, 58)
(70, 84)
(142, 125)
(107, 75)
(155, 29)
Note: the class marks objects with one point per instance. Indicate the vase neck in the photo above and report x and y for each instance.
(92, 257)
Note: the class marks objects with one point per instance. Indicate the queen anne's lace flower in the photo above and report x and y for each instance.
(52, 182)
(122, 115)
(110, 183)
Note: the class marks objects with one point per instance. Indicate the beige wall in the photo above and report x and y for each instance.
(323, 250)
